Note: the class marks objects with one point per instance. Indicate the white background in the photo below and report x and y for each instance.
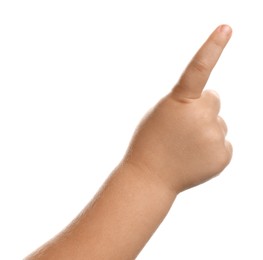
(75, 79)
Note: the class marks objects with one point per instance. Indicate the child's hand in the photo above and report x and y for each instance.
(181, 142)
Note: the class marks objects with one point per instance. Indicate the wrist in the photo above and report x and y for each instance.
(148, 176)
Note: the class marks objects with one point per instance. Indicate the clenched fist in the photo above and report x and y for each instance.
(181, 141)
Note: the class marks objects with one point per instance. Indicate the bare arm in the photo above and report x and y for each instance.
(117, 223)
(179, 144)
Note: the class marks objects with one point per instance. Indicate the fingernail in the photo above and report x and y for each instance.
(225, 29)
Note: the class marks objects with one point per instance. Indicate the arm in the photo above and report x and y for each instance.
(179, 144)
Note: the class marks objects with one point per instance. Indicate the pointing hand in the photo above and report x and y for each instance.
(181, 141)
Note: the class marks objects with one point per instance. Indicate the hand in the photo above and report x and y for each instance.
(181, 141)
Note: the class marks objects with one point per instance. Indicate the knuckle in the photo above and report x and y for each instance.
(207, 119)
(214, 137)
(211, 136)
(222, 124)
(212, 94)
(212, 99)
(224, 156)
(229, 149)
(200, 65)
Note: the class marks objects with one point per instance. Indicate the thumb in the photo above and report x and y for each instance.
(196, 74)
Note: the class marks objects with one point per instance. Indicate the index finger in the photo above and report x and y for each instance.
(196, 74)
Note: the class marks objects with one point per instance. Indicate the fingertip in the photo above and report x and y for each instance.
(225, 29)
(194, 78)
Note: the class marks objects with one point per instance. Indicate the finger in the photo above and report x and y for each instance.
(222, 124)
(211, 100)
(229, 149)
(195, 76)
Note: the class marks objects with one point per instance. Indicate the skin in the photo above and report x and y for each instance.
(179, 144)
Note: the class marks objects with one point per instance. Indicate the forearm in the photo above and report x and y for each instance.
(118, 222)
